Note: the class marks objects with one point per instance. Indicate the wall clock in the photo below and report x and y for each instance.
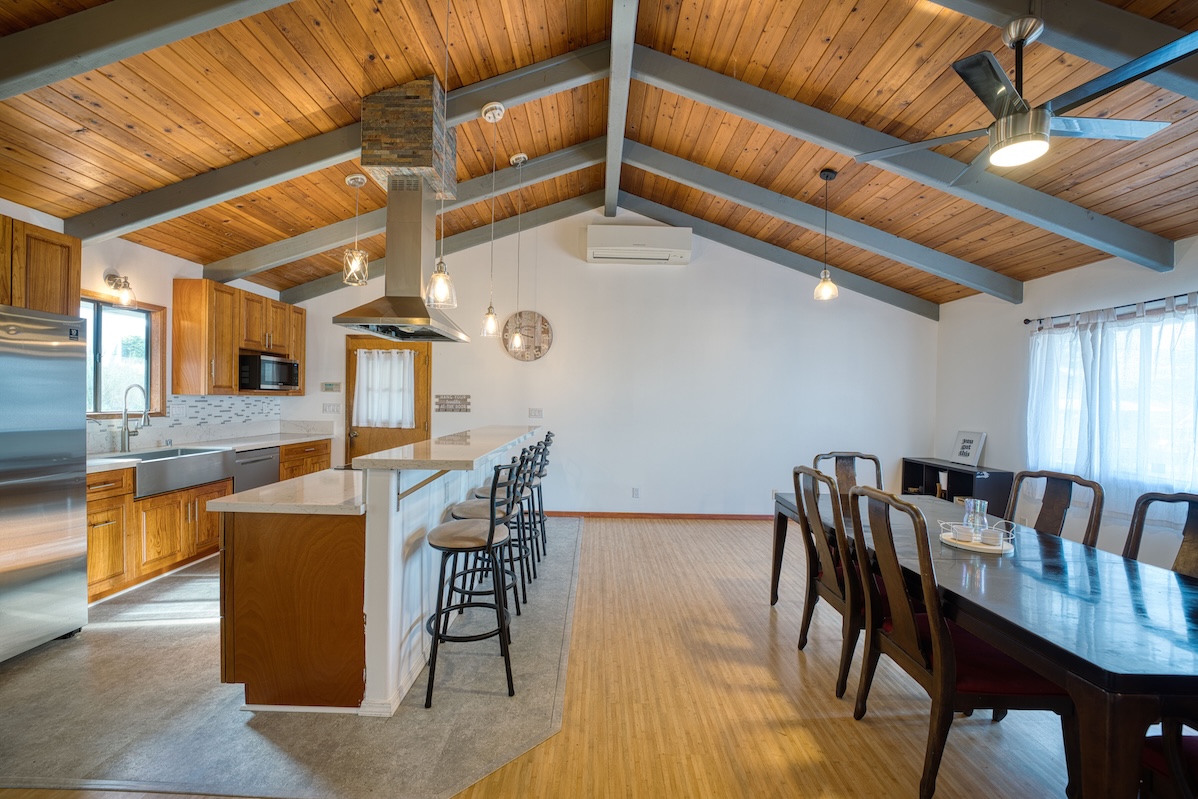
(535, 332)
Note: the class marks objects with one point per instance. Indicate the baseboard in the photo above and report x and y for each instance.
(734, 517)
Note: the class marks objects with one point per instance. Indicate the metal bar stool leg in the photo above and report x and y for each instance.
(432, 661)
(502, 618)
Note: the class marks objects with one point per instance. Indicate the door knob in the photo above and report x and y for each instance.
(353, 433)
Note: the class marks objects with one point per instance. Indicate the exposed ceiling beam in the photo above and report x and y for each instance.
(459, 242)
(623, 35)
(1093, 30)
(546, 167)
(932, 169)
(779, 255)
(811, 217)
(105, 34)
(336, 147)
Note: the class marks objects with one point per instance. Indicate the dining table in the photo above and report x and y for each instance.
(1121, 636)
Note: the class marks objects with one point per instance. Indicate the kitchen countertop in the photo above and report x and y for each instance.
(113, 460)
(333, 492)
(455, 452)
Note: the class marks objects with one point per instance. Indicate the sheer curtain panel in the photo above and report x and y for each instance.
(385, 394)
(1113, 397)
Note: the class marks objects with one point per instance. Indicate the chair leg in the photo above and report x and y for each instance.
(851, 630)
(998, 714)
(501, 619)
(869, 664)
(1071, 734)
(432, 661)
(942, 720)
(541, 516)
(809, 603)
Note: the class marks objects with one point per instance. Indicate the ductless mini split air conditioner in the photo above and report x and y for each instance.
(638, 244)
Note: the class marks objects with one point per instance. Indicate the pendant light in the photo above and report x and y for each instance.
(440, 292)
(826, 289)
(492, 112)
(517, 341)
(355, 262)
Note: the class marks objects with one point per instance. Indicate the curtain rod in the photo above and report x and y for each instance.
(1116, 309)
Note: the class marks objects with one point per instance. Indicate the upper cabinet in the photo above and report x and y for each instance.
(213, 323)
(39, 269)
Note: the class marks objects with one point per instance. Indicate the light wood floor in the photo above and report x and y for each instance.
(684, 682)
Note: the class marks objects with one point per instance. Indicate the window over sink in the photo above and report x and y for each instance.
(124, 347)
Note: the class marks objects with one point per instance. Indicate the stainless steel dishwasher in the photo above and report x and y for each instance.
(255, 467)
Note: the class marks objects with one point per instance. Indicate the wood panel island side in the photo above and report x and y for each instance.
(326, 580)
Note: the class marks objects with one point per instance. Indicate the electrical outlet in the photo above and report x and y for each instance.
(175, 410)
(536, 413)
(636, 493)
(170, 442)
(773, 494)
(330, 407)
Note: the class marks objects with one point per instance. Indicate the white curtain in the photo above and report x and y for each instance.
(1114, 399)
(385, 394)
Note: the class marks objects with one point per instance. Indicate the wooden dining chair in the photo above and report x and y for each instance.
(846, 472)
(1058, 493)
(1186, 561)
(960, 671)
(830, 571)
(1169, 762)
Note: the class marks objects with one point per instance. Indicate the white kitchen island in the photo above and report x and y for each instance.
(288, 631)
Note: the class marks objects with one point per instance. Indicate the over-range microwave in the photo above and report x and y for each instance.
(267, 373)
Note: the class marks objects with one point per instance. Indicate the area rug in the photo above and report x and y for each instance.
(135, 702)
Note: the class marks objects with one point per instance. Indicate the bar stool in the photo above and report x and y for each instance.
(541, 469)
(467, 537)
(519, 538)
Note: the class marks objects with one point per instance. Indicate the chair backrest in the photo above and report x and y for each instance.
(846, 472)
(505, 491)
(904, 600)
(832, 553)
(1186, 561)
(1058, 493)
(541, 468)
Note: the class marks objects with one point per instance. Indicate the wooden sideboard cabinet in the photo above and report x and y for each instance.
(922, 476)
(39, 269)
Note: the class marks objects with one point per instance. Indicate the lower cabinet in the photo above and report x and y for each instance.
(206, 524)
(296, 460)
(108, 539)
(160, 526)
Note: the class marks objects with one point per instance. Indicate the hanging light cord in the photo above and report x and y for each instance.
(357, 192)
(519, 228)
(494, 146)
(826, 182)
(444, 113)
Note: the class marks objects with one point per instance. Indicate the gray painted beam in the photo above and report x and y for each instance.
(811, 217)
(546, 167)
(932, 169)
(336, 147)
(105, 34)
(1095, 31)
(459, 242)
(623, 35)
(779, 255)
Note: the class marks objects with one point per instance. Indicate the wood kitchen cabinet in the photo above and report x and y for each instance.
(110, 564)
(175, 527)
(204, 327)
(206, 524)
(265, 324)
(296, 460)
(39, 269)
(298, 344)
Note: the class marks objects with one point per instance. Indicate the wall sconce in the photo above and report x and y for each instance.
(124, 293)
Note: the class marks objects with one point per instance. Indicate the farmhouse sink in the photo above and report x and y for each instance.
(162, 470)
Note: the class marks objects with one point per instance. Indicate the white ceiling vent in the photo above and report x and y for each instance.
(638, 244)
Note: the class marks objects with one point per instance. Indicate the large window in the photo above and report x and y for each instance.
(1114, 397)
(119, 349)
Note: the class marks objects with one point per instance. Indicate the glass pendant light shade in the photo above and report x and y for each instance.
(440, 292)
(124, 293)
(355, 267)
(490, 323)
(517, 342)
(826, 289)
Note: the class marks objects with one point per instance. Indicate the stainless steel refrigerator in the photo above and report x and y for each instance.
(43, 478)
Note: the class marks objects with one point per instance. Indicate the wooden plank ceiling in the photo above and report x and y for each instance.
(300, 70)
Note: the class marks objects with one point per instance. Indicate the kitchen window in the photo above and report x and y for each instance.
(124, 347)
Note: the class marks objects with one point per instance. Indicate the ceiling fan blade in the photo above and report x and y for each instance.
(920, 145)
(1094, 128)
(985, 76)
(1121, 76)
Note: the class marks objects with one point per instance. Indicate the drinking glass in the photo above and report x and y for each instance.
(975, 517)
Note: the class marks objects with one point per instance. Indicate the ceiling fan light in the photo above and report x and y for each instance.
(1019, 138)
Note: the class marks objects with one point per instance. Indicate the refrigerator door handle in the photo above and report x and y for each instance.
(45, 478)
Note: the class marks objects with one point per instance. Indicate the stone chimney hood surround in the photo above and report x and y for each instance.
(404, 144)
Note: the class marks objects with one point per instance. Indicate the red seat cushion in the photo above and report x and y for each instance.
(983, 669)
(1153, 756)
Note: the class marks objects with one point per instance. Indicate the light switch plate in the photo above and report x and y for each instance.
(536, 413)
(331, 387)
(330, 407)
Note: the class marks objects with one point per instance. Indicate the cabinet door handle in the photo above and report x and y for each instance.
(104, 524)
(212, 368)
(310, 449)
(98, 486)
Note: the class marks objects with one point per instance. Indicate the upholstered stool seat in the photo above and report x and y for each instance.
(466, 534)
(472, 509)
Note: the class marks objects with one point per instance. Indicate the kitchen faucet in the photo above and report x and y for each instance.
(145, 416)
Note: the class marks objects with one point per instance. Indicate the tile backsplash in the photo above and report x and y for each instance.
(190, 419)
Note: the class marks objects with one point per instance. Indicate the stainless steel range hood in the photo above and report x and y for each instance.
(401, 314)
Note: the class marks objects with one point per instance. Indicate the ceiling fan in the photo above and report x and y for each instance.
(1020, 133)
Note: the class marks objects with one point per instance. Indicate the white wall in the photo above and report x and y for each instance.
(982, 368)
(702, 385)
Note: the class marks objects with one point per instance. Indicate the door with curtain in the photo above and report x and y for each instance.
(388, 386)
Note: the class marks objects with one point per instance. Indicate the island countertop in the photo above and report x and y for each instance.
(455, 452)
(332, 492)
